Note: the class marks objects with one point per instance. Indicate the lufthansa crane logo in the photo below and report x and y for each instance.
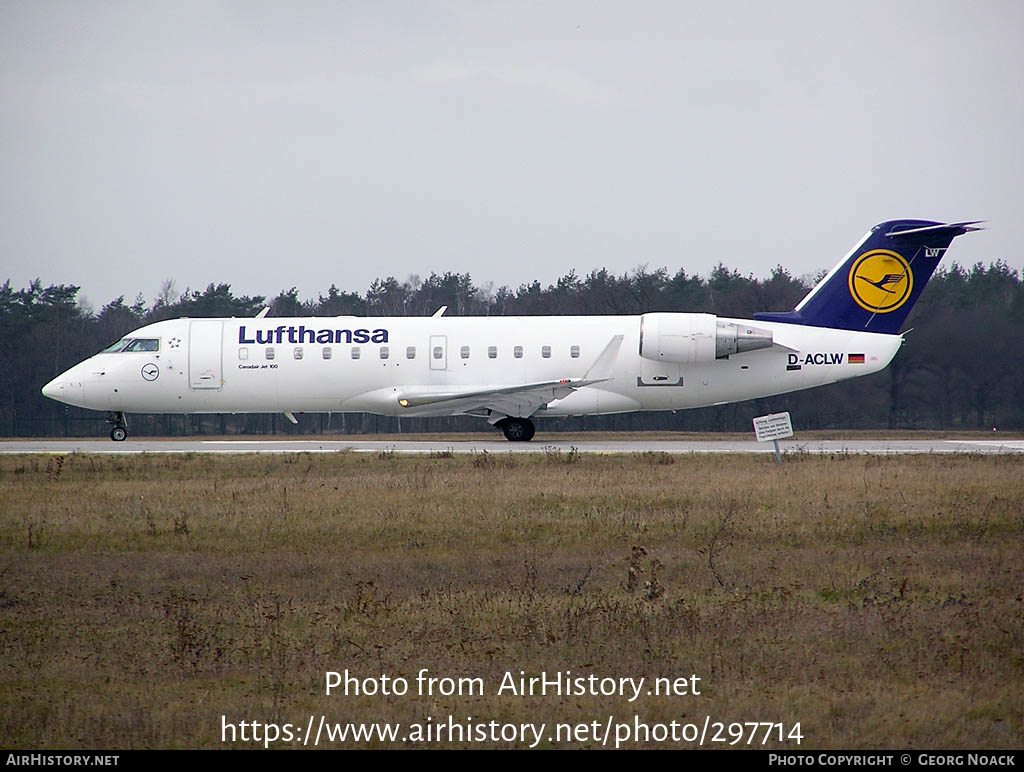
(150, 372)
(880, 281)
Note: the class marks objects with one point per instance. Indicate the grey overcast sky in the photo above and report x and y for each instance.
(274, 144)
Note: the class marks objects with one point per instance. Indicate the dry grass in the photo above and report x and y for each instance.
(877, 601)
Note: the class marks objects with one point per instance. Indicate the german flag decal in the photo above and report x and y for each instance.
(855, 359)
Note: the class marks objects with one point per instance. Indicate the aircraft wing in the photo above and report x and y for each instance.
(517, 400)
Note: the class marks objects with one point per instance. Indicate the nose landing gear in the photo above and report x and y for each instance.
(119, 432)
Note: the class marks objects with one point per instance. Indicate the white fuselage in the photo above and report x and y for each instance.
(358, 364)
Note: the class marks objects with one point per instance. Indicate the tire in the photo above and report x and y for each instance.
(118, 434)
(518, 429)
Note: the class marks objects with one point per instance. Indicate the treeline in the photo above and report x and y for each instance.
(962, 366)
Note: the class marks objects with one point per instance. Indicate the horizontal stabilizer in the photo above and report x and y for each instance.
(953, 229)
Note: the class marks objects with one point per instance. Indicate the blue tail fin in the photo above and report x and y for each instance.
(878, 282)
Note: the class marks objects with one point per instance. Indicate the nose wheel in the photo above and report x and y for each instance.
(119, 432)
(518, 429)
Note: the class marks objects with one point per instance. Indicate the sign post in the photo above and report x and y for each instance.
(774, 427)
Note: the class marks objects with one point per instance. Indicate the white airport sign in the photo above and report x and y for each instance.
(772, 428)
(776, 426)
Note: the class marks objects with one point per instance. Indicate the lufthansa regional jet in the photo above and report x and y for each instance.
(509, 370)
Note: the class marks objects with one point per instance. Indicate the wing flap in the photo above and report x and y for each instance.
(551, 390)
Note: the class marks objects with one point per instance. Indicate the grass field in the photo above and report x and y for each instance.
(877, 601)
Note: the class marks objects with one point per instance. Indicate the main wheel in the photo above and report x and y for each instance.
(118, 434)
(518, 429)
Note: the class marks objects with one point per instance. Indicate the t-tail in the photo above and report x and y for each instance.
(878, 282)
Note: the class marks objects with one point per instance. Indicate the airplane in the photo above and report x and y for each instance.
(512, 370)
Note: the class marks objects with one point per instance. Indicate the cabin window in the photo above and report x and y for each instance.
(410, 352)
(269, 352)
(327, 352)
(492, 352)
(574, 352)
(464, 352)
(297, 353)
(355, 352)
(243, 353)
(438, 352)
(545, 351)
(385, 352)
(517, 352)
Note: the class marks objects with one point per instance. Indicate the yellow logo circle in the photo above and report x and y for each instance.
(880, 281)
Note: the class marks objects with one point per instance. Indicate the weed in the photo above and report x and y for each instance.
(658, 457)
(554, 455)
(716, 544)
(635, 568)
(54, 466)
(577, 589)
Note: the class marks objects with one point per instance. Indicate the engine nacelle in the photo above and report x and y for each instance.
(689, 338)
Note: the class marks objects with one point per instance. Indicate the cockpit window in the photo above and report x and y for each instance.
(115, 347)
(143, 344)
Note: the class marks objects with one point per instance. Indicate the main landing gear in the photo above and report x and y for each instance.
(119, 432)
(517, 429)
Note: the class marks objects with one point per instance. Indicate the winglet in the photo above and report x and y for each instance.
(601, 370)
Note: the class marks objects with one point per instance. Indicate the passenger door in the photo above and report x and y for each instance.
(205, 354)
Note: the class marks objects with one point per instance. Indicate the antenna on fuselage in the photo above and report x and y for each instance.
(264, 312)
(440, 311)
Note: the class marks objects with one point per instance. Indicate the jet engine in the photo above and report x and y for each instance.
(689, 338)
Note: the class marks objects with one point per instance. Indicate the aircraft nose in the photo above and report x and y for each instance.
(55, 388)
(65, 389)
(75, 387)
